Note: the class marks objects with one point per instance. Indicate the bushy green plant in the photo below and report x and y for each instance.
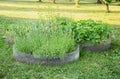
(64, 22)
(93, 31)
(45, 38)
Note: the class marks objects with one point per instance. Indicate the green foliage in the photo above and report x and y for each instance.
(93, 31)
(65, 23)
(45, 38)
(108, 1)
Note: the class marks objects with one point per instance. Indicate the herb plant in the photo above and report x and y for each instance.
(46, 38)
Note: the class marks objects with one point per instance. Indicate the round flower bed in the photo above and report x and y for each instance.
(46, 43)
(56, 60)
(92, 35)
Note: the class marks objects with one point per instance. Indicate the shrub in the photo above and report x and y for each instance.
(93, 31)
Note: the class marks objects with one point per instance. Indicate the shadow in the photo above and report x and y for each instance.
(69, 3)
(5, 20)
(115, 3)
(114, 12)
(55, 9)
(49, 1)
(19, 1)
(32, 2)
(14, 8)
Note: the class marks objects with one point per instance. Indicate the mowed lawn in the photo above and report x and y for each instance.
(91, 65)
(31, 9)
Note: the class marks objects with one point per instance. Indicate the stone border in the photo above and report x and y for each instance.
(28, 58)
(100, 47)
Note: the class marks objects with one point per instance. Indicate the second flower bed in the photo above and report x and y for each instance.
(92, 35)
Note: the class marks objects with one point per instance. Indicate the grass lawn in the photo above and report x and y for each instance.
(91, 65)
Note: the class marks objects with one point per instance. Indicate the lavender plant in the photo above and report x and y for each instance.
(45, 38)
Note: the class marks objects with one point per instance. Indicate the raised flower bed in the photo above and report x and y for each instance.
(56, 60)
(44, 44)
(92, 35)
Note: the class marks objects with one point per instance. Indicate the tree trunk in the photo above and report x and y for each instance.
(53, 1)
(40, 0)
(76, 2)
(107, 6)
(99, 1)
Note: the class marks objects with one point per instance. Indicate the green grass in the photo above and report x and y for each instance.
(30, 9)
(91, 65)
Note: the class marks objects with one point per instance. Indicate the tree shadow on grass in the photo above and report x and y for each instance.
(10, 20)
(55, 9)
(114, 11)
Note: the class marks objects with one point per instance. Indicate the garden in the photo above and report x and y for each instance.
(44, 40)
